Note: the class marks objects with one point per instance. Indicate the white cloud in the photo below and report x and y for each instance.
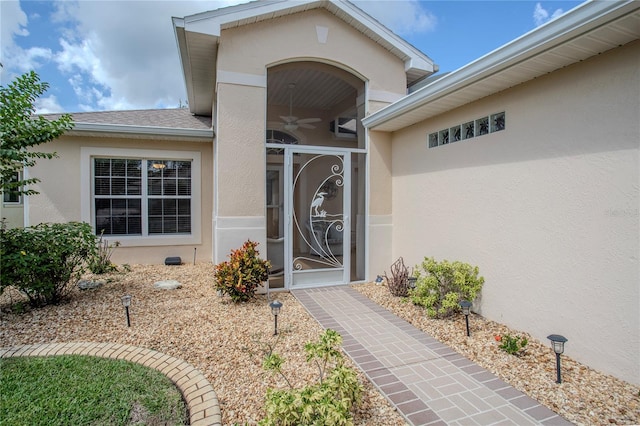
(80, 56)
(123, 55)
(127, 57)
(13, 24)
(48, 105)
(402, 17)
(28, 59)
(83, 92)
(541, 15)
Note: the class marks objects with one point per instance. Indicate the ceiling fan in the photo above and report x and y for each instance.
(291, 122)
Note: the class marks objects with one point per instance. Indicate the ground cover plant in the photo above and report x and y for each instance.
(512, 344)
(83, 390)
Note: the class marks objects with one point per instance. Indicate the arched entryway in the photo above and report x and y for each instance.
(316, 174)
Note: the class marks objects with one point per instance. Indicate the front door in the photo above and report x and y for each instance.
(317, 206)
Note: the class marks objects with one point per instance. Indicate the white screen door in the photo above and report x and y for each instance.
(317, 206)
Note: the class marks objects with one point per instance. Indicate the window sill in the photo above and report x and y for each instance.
(156, 240)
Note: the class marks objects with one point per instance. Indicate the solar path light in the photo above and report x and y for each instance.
(275, 310)
(557, 343)
(126, 302)
(411, 282)
(466, 307)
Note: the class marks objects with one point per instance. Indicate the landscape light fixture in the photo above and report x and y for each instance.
(126, 302)
(466, 308)
(411, 282)
(557, 343)
(275, 310)
(378, 280)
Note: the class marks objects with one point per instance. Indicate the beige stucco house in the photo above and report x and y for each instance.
(317, 132)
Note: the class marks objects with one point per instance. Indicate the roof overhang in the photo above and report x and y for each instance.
(198, 53)
(129, 131)
(586, 31)
(198, 35)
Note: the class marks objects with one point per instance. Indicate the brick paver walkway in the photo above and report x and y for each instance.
(428, 382)
(196, 389)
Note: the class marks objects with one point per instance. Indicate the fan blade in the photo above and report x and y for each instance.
(288, 119)
(305, 126)
(309, 120)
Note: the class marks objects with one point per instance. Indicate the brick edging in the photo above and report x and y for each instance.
(196, 389)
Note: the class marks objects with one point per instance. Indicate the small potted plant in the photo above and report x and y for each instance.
(242, 274)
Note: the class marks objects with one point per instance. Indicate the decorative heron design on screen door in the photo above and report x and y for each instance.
(320, 224)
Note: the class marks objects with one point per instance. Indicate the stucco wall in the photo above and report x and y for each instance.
(548, 208)
(251, 48)
(241, 166)
(12, 214)
(61, 193)
(244, 57)
(240, 150)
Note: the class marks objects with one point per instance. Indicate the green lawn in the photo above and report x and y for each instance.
(83, 390)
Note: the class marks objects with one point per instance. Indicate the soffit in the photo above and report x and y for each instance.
(559, 44)
(198, 54)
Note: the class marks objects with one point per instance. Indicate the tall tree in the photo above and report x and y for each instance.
(21, 129)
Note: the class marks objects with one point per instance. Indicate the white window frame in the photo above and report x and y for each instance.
(87, 209)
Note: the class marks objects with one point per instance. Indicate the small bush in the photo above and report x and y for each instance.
(327, 402)
(42, 260)
(242, 274)
(101, 262)
(512, 344)
(442, 285)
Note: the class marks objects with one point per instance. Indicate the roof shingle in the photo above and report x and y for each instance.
(179, 118)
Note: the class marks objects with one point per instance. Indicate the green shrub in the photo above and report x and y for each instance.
(512, 344)
(442, 285)
(242, 274)
(42, 260)
(327, 402)
(101, 262)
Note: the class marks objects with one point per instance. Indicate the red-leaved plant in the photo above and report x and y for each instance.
(242, 274)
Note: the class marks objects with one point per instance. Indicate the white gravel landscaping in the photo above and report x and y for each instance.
(585, 396)
(226, 342)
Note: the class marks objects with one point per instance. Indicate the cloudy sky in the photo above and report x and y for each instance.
(110, 54)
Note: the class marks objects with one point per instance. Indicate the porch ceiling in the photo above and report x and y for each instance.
(315, 89)
(588, 30)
